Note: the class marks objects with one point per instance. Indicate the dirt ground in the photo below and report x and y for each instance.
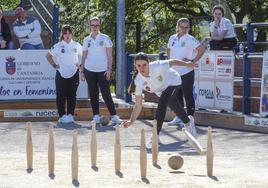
(240, 158)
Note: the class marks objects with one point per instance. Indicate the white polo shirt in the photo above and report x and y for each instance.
(97, 59)
(183, 47)
(67, 56)
(160, 77)
(225, 24)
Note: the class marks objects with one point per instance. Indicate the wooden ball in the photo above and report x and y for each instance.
(104, 120)
(175, 162)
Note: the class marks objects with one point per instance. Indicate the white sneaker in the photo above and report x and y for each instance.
(70, 118)
(115, 119)
(191, 128)
(63, 119)
(175, 121)
(96, 118)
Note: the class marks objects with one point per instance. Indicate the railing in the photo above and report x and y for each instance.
(246, 62)
(41, 8)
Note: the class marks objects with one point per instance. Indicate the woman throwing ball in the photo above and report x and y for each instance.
(157, 77)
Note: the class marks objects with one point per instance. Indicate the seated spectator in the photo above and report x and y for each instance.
(27, 29)
(222, 35)
(5, 34)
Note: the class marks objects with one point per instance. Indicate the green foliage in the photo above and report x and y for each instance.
(9, 4)
(158, 18)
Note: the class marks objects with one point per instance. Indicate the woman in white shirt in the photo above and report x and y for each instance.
(64, 57)
(96, 68)
(222, 34)
(157, 77)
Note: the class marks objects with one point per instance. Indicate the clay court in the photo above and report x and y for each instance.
(240, 158)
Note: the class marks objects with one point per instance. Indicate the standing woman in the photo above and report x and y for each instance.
(222, 34)
(184, 46)
(157, 77)
(65, 57)
(96, 68)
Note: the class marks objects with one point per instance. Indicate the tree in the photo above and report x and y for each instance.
(9, 4)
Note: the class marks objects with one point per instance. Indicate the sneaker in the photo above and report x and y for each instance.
(191, 126)
(63, 119)
(96, 118)
(70, 118)
(175, 121)
(115, 119)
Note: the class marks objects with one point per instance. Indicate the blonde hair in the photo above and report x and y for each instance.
(95, 18)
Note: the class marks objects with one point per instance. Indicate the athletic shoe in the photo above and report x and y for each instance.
(70, 118)
(96, 118)
(63, 119)
(191, 128)
(115, 119)
(175, 121)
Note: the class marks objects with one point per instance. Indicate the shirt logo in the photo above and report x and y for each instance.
(159, 78)
(183, 44)
(62, 50)
(101, 43)
(88, 45)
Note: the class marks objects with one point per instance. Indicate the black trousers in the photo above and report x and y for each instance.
(66, 90)
(225, 44)
(186, 92)
(169, 98)
(96, 80)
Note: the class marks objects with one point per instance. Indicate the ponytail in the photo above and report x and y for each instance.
(132, 87)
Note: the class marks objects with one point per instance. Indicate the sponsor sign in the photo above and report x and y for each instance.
(224, 95)
(206, 94)
(30, 113)
(256, 121)
(224, 66)
(26, 74)
(215, 80)
(207, 65)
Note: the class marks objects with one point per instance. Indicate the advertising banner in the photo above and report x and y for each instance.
(206, 94)
(224, 96)
(224, 66)
(26, 74)
(215, 80)
(207, 66)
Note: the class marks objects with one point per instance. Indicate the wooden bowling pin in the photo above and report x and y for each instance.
(117, 151)
(154, 145)
(29, 147)
(209, 153)
(51, 151)
(74, 157)
(93, 146)
(143, 156)
(194, 143)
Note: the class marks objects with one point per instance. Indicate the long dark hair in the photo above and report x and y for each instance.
(139, 56)
(64, 30)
